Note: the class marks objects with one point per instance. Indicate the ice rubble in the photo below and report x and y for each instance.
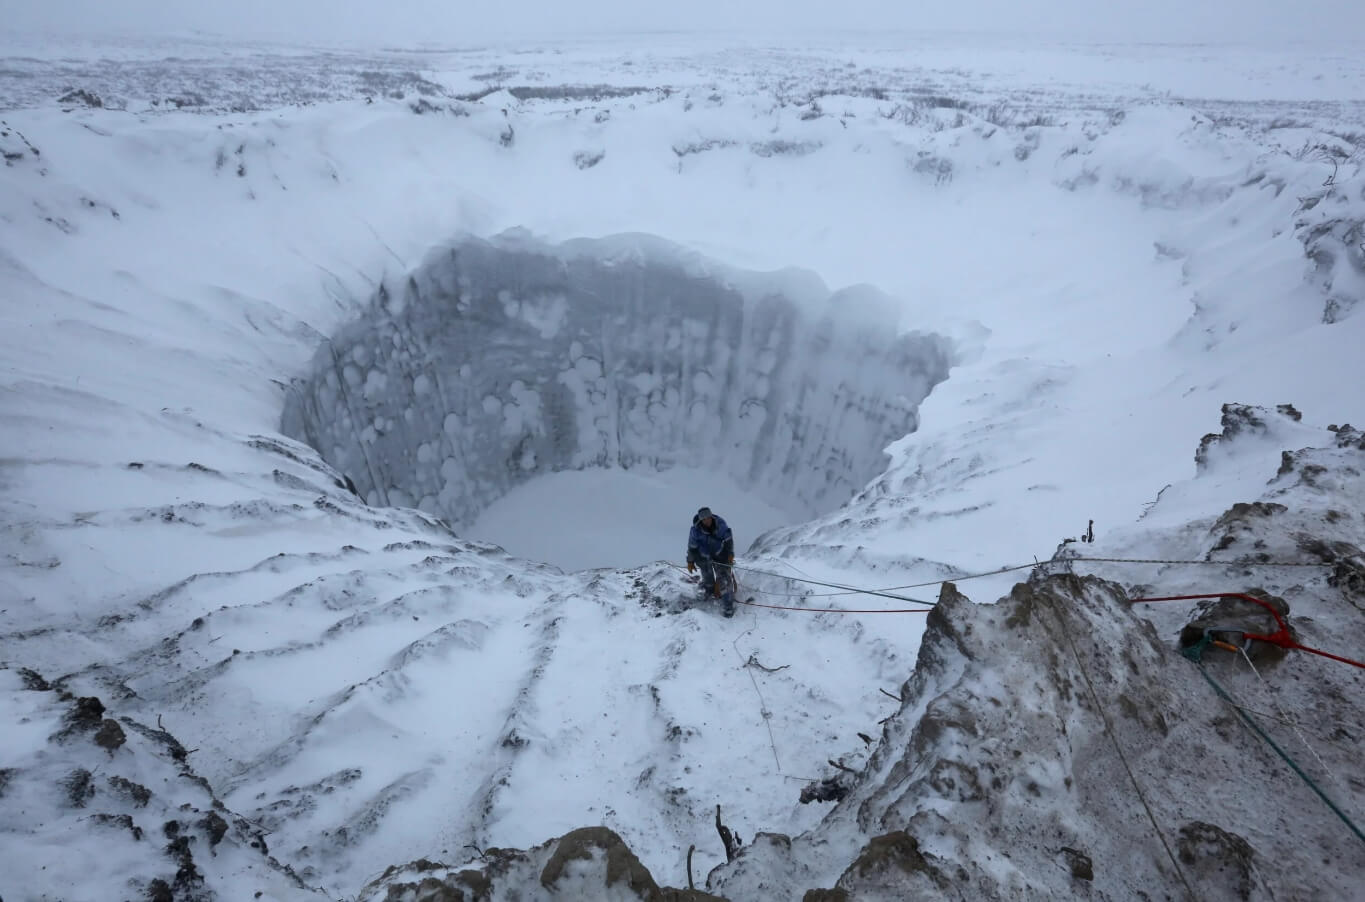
(498, 361)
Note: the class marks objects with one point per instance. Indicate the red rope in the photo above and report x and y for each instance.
(1281, 635)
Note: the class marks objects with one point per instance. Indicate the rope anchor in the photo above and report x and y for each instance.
(1280, 637)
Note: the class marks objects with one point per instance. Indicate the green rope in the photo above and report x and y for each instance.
(1195, 653)
(1113, 737)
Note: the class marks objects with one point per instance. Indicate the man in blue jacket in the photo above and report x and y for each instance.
(711, 547)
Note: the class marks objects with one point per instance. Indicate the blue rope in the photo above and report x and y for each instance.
(1195, 653)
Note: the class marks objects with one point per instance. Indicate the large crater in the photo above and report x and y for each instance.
(499, 362)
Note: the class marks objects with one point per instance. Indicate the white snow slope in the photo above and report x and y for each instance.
(1114, 241)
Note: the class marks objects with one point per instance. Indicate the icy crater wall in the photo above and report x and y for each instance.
(500, 361)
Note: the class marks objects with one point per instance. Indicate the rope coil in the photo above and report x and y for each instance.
(1280, 637)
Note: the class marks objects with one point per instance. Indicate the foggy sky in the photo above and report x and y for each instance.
(455, 22)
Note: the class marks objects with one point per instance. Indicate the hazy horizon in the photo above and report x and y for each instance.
(432, 22)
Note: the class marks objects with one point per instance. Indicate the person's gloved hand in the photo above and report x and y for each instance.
(729, 559)
(691, 567)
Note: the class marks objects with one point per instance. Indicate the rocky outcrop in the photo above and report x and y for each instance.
(1057, 744)
(1238, 419)
(587, 863)
(82, 98)
(1331, 224)
(81, 793)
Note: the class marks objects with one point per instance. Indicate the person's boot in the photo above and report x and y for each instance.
(728, 604)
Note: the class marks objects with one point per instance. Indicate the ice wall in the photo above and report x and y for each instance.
(500, 361)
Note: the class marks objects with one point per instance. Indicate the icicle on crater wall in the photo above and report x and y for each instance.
(497, 362)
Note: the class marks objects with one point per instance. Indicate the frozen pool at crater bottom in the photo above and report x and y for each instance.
(579, 519)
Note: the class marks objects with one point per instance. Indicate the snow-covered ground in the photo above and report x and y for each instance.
(1112, 242)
